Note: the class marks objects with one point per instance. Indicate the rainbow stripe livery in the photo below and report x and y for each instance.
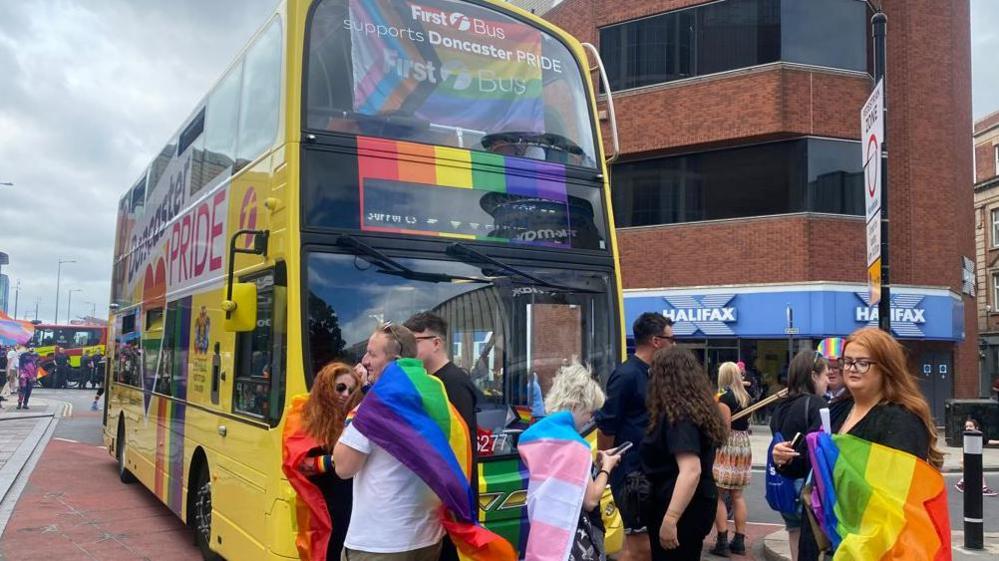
(878, 503)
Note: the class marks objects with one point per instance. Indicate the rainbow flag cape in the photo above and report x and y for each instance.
(408, 414)
(311, 514)
(877, 503)
(558, 461)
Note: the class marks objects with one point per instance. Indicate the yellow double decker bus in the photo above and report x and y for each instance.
(360, 161)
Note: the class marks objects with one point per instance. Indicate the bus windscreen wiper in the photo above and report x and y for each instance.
(390, 266)
(468, 255)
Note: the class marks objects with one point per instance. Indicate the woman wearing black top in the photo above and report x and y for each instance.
(886, 407)
(677, 454)
(807, 380)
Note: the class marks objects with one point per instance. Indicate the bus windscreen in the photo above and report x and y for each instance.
(446, 73)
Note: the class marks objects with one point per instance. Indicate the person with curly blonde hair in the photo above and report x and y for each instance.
(563, 479)
(678, 452)
(313, 427)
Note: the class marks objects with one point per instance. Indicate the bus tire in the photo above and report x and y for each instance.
(124, 474)
(199, 515)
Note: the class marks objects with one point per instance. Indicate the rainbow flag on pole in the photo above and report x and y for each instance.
(407, 413)
(877, 503)
(558, 460)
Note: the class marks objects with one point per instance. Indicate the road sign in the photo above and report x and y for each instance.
(874, 281)
(791, 331)
(872, 126)
(874, 240)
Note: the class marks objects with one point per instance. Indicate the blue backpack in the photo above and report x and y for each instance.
(782, 492)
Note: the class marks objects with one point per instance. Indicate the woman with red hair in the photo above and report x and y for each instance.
(313, 426)
(886, 406)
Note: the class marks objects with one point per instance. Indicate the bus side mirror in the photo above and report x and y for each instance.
(241, 308)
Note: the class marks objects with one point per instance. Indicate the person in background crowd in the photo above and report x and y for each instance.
(5, 388)
(799, 412)
(832, 349)
(553, 446)
(315, 423)
(13, 355)
(971, 424)
(734, 461)
(27, 374)
(625, 418)
(678, 453)
(430, 331)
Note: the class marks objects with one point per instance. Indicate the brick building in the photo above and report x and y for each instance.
(986, 141)
(738, 195)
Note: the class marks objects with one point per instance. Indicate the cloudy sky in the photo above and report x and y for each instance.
(91, 90)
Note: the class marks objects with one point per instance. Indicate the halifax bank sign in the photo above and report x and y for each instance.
(818, 311)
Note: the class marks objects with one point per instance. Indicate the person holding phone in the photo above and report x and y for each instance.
(569, 408)
(799, 414)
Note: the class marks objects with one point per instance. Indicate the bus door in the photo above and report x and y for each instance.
(256, 390)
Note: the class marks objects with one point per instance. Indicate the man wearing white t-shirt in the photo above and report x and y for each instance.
(395, 514)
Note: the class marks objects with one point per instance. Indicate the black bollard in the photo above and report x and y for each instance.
(973, 478)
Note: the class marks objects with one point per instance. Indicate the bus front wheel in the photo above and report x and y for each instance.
(124, 474)
(200, 514)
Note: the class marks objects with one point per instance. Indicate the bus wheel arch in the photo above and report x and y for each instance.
(199, 503)
(124, 474)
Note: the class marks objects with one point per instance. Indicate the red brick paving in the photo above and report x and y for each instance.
(74, 507)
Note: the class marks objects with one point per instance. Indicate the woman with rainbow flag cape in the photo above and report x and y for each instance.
(313, 424)
(878, 492)
(406, 430)
(563, 499)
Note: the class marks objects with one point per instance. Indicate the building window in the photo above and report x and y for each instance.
(995, 292)
(805, 175)
(996, 150)
(734, 34)
(995, 227)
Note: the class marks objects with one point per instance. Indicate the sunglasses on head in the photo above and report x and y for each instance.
(815, 362)
(392, 331)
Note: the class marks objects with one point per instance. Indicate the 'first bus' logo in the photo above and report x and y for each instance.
(455, 20)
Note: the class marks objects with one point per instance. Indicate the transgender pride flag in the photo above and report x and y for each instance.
(558, 460)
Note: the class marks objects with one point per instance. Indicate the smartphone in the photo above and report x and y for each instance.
(796, 440)
(620, 449)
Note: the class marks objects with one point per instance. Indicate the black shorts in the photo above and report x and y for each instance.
(631, 514)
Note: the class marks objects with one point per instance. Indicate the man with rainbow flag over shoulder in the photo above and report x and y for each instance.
(409, 452)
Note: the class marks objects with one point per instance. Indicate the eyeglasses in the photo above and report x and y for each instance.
(427, 337)
(861, 365)
(669, 338)
(343, 388)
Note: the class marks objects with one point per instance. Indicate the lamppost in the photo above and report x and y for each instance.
(879, 30)
(69, 303)
(17, 294)
(58, 278)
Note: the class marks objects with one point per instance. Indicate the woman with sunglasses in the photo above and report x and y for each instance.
(313, 428)
(799, 412)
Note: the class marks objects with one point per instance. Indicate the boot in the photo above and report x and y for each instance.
(738, 544)
(721, 545)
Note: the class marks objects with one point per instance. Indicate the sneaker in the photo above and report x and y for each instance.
(989, 491)
(959, 485)
(18, 405)
(26, 407)
(93, 406)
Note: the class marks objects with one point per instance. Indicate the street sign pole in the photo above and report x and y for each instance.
(880, 24)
